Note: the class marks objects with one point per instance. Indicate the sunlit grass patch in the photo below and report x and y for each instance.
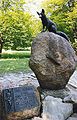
(14, 65)
(16, 54)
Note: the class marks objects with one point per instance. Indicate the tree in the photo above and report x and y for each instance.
(64, 14)
(15, 24)
(1, 43)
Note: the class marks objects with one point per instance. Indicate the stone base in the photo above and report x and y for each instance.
(20, 103)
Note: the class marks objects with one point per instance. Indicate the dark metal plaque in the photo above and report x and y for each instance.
(8, 100)
(19, 99)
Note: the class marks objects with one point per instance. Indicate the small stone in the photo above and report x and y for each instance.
(54, 109)
(37, 118)
(73, 80)
(42, 97)
(67, 99)
(62, 93)
(73, 117)
(72, 87)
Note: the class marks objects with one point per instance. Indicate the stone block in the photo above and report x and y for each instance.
(12, 80)
(20, 103)
(55, 109)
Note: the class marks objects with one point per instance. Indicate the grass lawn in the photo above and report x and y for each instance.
(14, 61)
(14, 65)
(15, 54)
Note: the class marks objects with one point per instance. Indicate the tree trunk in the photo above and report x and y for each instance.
(1, 44)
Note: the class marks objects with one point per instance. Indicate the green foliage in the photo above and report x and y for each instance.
(75, 46)
(19, 27)
(64, 14)
(16, 30)
(6, 5)
(16, 25)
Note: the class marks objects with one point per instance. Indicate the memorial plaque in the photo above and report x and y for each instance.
(8, 100)
(19, 99)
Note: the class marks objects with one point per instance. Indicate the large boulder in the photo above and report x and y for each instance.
(53, 60)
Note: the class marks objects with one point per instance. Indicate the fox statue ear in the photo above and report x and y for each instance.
(43, 11)
(38, 13)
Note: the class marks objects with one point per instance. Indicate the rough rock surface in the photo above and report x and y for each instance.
(72, 87)
(53, 60)
(73, 80)
(54, 109)
(15, 80)
(24, 103)
(37, 118)
(20, 79)
(73, 117)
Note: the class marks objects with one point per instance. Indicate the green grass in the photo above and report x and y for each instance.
(14, 65)
(16, 54)
(14, 61)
